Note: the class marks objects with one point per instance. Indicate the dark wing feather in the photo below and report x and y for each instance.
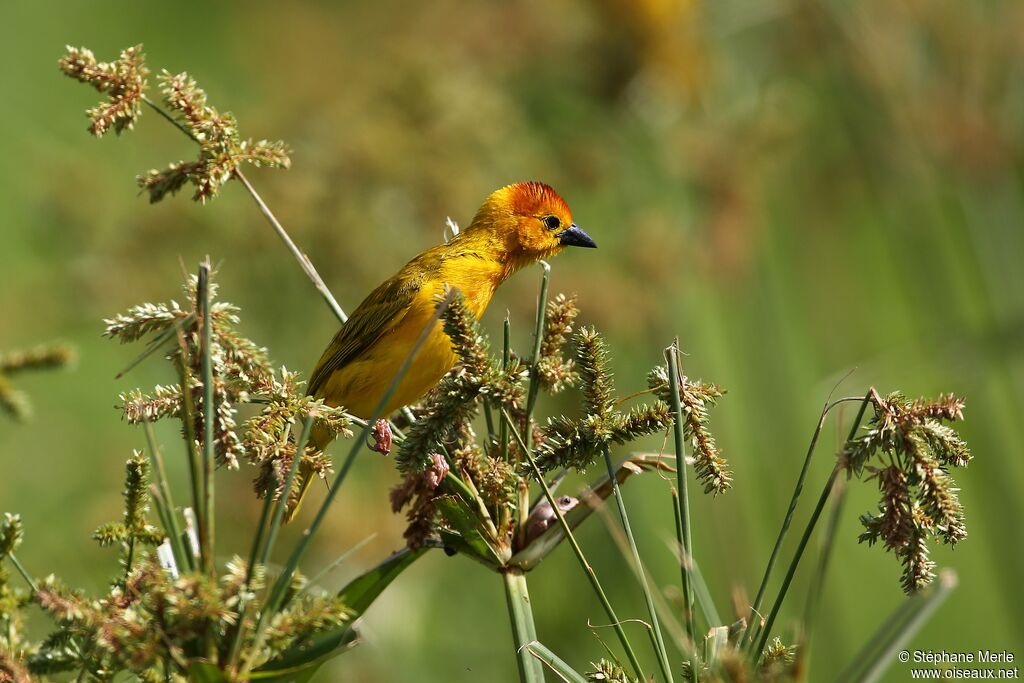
(379, 312)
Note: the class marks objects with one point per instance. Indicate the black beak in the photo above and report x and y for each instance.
(574, 237)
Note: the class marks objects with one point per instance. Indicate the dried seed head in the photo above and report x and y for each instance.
(124, 81)
(919, 497)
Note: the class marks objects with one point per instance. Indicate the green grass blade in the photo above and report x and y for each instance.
(811, 523)
(641, 576)
(555, 663)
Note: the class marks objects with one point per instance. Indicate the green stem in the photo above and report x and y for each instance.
(755, 653)
(181, 556)
(235, 648)
(683, 527)
(24, 574)
(666, 668)
(188, 422)
(791, 572)
(749, 633)
(818, 580)
(587, 569)
(304, 262)
(538, 338)
(506, 358)
(282, 502)
(555, 663)
(206, 366)
(702, 596)
(301, 258)
(524, 632)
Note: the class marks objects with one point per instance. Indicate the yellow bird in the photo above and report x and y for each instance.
(516, 225)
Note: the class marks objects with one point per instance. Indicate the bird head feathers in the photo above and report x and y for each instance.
(530, 220)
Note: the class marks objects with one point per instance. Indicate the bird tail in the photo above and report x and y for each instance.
(319, 437)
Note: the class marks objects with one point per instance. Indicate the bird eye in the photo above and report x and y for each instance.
(552, 222)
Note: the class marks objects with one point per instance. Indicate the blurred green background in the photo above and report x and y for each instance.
(796, 189)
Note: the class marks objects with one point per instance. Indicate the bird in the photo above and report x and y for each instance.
(516, 225)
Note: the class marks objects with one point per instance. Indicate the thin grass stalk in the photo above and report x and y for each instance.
(194, 464)
(505, 513)
(282, 502)
(893, 625)
(304, 262)
(673, 627)
(280, 587)
(702, 596)
(750, 632)
(157, 342)
(587, 569)
(794, 563)
(275, 525)
(506, 358)
(925, 605)
(181, 556)
(315, 579)
(811, 523)
(684, 537)
(21, 570)
(206, 365)
(234, 650)
(538, 338)
(753, 627)
(659, 641)
(555, 663)
(301, 258)
(161, 511)
(524, 632)
(880, 638)
(818, 580)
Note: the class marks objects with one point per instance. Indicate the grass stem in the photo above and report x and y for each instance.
(21, 570)
(555, 663)
(520, 613)
(659, 641)
(209, 409)
(171, 528)
(683, 527)
(587, 569)
(762, 636)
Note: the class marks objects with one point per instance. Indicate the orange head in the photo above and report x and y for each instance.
(530, 221)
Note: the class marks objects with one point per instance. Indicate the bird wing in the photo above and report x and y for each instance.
(380, 311)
